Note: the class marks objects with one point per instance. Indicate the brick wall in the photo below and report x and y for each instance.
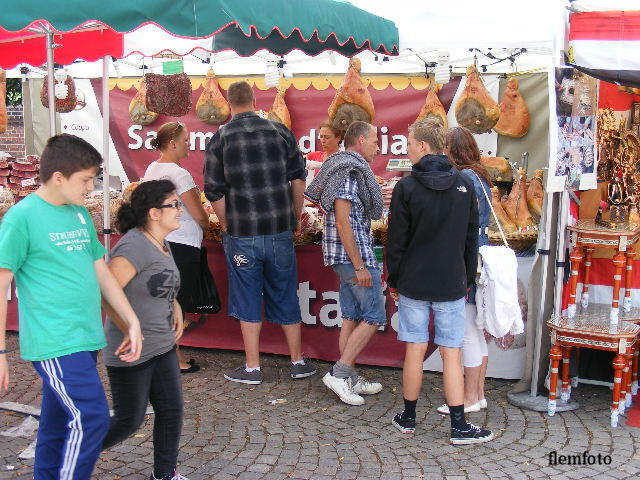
(12, 141)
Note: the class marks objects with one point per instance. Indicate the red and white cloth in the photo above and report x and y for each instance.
(605, 40)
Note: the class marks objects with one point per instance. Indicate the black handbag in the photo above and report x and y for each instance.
(205, 297)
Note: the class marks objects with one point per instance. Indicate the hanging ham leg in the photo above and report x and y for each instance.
(65, 98)
(138, 111)
(535, 193)
(279, 112)
(352, 101)
(432, 107)
(212, 107)
(498, 168)
(516, 203)
(3, 106)
(514, 114)
(476, 110)
(507, 225)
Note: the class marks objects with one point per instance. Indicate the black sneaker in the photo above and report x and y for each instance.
(473, 435)
(241, 375)
(405, 425)
(303, 371)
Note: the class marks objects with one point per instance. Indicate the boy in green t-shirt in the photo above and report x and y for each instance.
(47, 241)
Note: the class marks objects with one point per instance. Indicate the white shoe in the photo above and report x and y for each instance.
(343, 388)
(365, 387)
(483, 403)
(444, 409)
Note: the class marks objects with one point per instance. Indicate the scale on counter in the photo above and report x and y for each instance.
(399, 165)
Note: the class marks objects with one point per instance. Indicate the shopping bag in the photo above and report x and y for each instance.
(205, 297)
(498, 309)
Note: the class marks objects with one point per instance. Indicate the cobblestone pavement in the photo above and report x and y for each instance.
(233, 431)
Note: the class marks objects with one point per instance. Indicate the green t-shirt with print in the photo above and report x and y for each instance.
(50, 250)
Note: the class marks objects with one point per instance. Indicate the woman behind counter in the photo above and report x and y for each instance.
(462, 150)
(143, 265)
(172, 141)
(330, 139)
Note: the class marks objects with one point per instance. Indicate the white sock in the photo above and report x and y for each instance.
(299, 362)
(251, 369)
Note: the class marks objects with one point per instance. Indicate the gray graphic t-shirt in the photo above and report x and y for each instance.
(151, 293)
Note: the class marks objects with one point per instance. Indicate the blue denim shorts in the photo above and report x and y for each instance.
(449, 318)
(262, 267)
(358, 303)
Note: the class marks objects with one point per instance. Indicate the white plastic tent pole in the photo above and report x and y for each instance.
(563, 221)
(560, 29)
(544, 245)
(105, 152)
(50, 83)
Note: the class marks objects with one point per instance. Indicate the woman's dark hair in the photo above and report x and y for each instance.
(146, 196)
(464, 152)
(167, 132)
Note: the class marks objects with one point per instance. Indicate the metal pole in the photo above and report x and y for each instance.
(50, 83)
(106, 203)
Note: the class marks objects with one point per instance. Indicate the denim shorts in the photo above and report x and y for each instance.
(358, 303)
(449, 319)
(262, 267)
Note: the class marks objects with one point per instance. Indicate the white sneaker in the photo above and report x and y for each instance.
(483, 403)
(365, 387)
(343, 388)
(444, 409)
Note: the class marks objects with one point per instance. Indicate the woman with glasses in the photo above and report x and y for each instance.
(144, 267)
(172, 141)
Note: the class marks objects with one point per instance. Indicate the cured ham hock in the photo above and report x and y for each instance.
(476, 110)
(352, 100)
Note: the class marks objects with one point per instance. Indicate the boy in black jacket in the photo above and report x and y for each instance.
(431, 261)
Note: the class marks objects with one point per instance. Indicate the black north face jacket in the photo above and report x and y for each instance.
(432, 245)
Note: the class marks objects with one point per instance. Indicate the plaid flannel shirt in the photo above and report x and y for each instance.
(332, 249)
(250, 161)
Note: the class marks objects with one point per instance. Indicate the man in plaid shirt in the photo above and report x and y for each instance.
(255, 178)
(347, 248)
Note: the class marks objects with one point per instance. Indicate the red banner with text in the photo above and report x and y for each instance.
(395, 110)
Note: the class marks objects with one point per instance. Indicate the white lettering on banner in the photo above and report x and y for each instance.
(384, 141)
(307, 143)
(305, 295)
(330, 313)
(389, 144)
(399, 146)
(395, 321)
(325, 318)
(134, 136)
(199, 138)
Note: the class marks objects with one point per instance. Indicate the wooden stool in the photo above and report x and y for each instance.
(586, 236)
(591, 328)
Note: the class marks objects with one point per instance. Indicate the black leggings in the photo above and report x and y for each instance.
(157, 381)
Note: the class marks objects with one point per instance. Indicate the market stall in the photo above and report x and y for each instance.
(398, 100)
